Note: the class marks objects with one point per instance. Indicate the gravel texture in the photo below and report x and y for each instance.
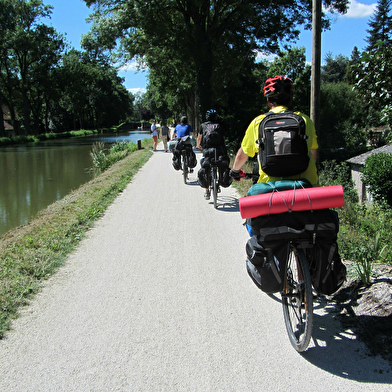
(157, 298)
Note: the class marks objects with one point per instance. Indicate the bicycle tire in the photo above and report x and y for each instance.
(297, 300)
(215, 187)
(185, 168)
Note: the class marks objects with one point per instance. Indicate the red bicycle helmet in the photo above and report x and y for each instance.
(278, 85)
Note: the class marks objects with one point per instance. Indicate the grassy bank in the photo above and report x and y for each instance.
(32, 253)
(4, 141)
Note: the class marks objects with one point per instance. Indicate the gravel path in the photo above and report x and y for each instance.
(157, 298)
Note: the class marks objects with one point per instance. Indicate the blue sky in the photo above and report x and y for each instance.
(69, 17)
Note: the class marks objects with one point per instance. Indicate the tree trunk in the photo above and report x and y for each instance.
(26, 111)
(204, 77)
(2, 128)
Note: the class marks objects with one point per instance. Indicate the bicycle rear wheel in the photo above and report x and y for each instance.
(185, 167)
(297, 300)
(215, 186)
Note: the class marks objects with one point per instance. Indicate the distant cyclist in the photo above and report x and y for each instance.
(183, 128)
(183, 131)
(210, 137)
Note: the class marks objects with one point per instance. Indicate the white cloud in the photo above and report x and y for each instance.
(263, 56)
(135, 66)
(129, 67)
(137, 91)
(360, 10)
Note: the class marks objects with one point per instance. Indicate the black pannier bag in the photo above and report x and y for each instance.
(295, 225)
(192, 159)
(265, 264)
(176, 161)
(224, 177)
(224, 171)
(326, 268)
(203, 177)
(221, 160)
(216, 155)
(319, 228)
(181, 145)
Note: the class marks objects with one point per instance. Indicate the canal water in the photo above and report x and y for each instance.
(35, 175)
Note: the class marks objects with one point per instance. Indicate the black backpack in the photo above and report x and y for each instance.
(283, 150)
(212, 135)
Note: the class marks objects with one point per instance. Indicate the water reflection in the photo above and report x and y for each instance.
(36, 175)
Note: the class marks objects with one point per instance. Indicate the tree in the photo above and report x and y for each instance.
(292, 63)
(211, 39)
(372, 72)
(90, 94)
(373, 75)
(335, 69)
(355, 59)
(341, 135)
(380, 25)
(29, 51)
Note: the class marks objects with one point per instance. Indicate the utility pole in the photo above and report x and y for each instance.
(316, 65)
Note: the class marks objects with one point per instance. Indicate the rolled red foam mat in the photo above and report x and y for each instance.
(316, 198)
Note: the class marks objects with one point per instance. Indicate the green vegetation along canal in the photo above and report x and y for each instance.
(33, 176)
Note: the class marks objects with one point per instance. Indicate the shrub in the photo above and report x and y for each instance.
(119, 150)
(377, 175)
(99, 157)
(332, 173)
(364, 229)
(119, 145)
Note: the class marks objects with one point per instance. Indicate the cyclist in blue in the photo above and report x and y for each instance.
(183, 131)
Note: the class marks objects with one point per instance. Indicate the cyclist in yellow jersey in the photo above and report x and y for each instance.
(279, 93)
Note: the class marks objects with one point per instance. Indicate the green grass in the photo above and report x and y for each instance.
(45, 136)
(32, 253)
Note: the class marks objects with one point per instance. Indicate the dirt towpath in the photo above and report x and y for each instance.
(157, 298)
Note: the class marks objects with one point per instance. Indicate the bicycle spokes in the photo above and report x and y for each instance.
(297, 300)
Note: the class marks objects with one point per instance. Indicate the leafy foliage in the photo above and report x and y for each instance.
(204, 47)
(334, 70)
(292, 63)
(341, 134)
(48, 90)
(380, 25)
(365, 234)
(372, 72)
(377, 175)
(102, 159)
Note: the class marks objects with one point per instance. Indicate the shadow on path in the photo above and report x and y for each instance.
(340, 351)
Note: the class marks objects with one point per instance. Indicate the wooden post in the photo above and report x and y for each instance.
(139, 144)
(316, 65)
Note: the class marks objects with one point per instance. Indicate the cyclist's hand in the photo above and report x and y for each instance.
(199, 148)
(236, 175)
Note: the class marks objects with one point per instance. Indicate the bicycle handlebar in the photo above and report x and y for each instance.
(244, 175)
